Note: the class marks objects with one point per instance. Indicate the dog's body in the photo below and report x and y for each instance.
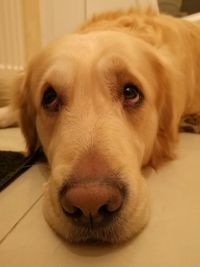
(102, 103)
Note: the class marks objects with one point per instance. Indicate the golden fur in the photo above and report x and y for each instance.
(161, 55)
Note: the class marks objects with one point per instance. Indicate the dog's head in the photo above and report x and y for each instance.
(98, 105)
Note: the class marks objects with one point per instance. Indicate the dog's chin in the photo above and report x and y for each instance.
(120, 230)
(112, 234)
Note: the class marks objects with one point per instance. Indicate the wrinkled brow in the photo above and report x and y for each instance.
(116, 73)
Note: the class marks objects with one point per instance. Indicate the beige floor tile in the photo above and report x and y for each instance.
(18, 197)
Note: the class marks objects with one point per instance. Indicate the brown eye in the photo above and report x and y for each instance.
(132, 95)
(51, 101)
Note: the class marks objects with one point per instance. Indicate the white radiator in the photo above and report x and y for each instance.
(11, 36)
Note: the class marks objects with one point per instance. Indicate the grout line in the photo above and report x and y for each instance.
(20, 219)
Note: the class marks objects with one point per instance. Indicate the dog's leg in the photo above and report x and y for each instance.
(8, 117)
(190, 123)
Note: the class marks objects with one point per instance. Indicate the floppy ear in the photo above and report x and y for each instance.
(169, 112)
(23, 103)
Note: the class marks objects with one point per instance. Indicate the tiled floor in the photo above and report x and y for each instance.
(172, 238)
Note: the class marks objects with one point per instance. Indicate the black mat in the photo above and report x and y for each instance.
(13, 164)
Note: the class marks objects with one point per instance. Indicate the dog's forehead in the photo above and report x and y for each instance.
(65, 62)
(94, 45)
(85, 52)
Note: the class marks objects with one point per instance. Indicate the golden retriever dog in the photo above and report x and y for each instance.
(103, 103)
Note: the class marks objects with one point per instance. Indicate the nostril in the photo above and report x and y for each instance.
(104, 210)
(108, 209)
(69, 209)
(76, 214)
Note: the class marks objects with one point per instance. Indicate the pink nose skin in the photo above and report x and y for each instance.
(91, 203)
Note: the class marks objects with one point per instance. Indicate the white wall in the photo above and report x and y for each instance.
(26, 24)
(59, 17)
(11, 36)
(93, 6)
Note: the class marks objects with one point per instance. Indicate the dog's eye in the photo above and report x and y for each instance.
(132, 95)
(50, 100)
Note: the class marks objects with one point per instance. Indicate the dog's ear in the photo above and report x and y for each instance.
(23, 103)
(168, 115)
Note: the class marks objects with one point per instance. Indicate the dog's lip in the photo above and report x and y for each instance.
(107, 234)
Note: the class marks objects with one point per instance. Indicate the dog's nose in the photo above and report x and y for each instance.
(91, 203)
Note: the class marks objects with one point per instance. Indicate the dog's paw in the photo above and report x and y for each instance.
(8, 117)
(190, 123)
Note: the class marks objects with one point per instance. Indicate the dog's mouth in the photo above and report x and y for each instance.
(93, 208)
(102, 235)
